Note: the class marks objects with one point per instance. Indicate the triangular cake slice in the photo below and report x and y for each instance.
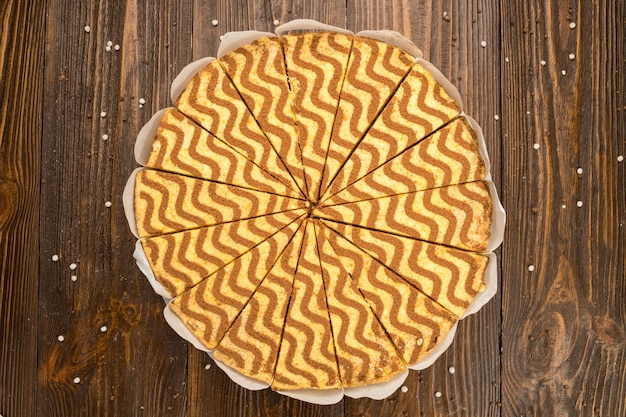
(316, 65)
(258, 72)
(211, 100)
(183, 147)
(307, 358)
(251, 344)
(456, 215)
(374, 71)
(449, 156)
(419, 107)
(414, 322)
(365, 355)
(181, 260)
(451, 277)
(166, 202)
(209, 308)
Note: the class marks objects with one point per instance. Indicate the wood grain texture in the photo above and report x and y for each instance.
(551, 342)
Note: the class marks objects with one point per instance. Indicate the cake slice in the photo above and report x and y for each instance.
(258, 72)
(451, 277)
(374, 71)
(183, 147)
(307, 358)
(166, 202)
(211, 100)
(251, 344)
(365, 355)
(181, 260)
(209, 308)
(456, 215)
(414, 322)
(449, 156)
(316, 65)
(419, 107)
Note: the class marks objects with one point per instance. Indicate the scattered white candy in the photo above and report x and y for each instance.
(87, 29)
(437, 394)
(579, 171)
(420, 341)
(109, 43)
(496, 117)
(527, 111)
(107, 48)
(451, 370)
(563, 72)
(55, 258)
(572, 56)
(74, 278)
(207, 366)
(563, 206)
(107, 204)
(483, 43)
(404, 388)
(61, 338)
(142, 101)
(506, 59)
(103, 114)
(542, 62)
(572, 25)
(73, 266)
(77, 380)
(103, 329)
(579, 203)
(276, 22)
(620, 158)
(531, 268)
(536, 146)
(105, 137)
(214, 22)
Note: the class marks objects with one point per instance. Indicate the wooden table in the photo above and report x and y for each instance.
(546, 80)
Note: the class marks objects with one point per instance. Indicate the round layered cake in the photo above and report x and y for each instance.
(317, 208)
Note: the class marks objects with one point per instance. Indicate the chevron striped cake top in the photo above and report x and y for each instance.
(318, 209)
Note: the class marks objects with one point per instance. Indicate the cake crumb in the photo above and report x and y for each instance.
(61, 338)
(531, 268)
(620, 158)
(221, 37)
(103, 114)
(103, 329)
(420, 341)
(404, 388)
(55, 258)
(579, 203)
(105, 137)
(77, 380)
(579, 171)
(87, 29)
(483, 44)
(74, 278)
(73, 266)
(451, 370)
(572, 56)
(572, 25)
(214, 22)
(438, 394)
(542, 62)
(536, 146)
(107, 204)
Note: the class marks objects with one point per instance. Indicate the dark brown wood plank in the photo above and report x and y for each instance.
(563, 333)
(450, 37)
(21, 56)
(136, 364)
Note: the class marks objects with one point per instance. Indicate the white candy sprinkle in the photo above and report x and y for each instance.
(109, 43)
(55, 258)
(496, 117)
(142, 101)
(404, 388)
(579, 171)
(563, 72)
(483, 43)
(542, 62)
(579, 203)
(77, 380)
(105, 137)
(103, 114)
(107, 48)
(536, 146)
(107, 204)
(116, 47)
(437, 394)
(61, 338)
(572, 25)
(214, 22)
(451, 369)
(506, 59)
(563, 206)
(620, 158)
(73, 266)
(527, 111)
(207, 366)
(87, 29)
(103, 329)
(572, 56)
(531, 268)
(74, 278)
(276, 22)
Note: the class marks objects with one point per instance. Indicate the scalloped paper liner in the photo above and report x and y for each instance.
(143, 145)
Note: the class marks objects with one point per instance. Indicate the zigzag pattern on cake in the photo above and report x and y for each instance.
(364, 353)
(316, 65)
(166, 202)
(451, 277)
(307, 354)
(251, 344)
(374, 70)
(419, 106)
(258, 72)
(209, 308)
(183, 147)
(212, 101)
(181, 260)
(414, 322)
(457, 215)
(449, 156)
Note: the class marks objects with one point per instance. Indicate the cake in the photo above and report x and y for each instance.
(318, 211)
